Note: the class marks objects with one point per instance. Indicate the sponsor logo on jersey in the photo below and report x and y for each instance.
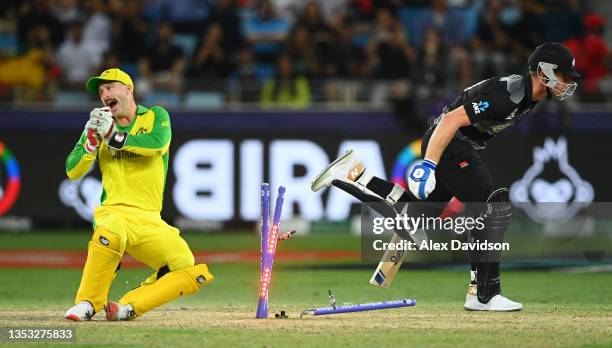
(141, 130)
(125, 155)
(480, 106)
(551, 201)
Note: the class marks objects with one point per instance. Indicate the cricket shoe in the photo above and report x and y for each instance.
(117, 311)
(82, 311)
(498, 303)
(344, 168)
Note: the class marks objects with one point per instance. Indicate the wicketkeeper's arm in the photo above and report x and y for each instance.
(155, 143)
(80, 160)
(444, 132)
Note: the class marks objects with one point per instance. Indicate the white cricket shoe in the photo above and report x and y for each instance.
(117, 311)
(498, 303)
(346, 167)
(82, 311)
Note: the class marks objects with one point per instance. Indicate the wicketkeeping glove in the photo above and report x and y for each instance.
(422, 178)
(93, 139)
(105, 127)
(103, 119)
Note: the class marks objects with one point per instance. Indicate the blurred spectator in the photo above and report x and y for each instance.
(315, 23)
(129, 29)
(592, 57)
(225, 13)
(301, 51)
(209, 60)
(491, 44)
(442, 66)
(77, 59)
(330, 9)
(522, 22)
(366, 10)
(361, 10)
(266, 32)
(66, 11)
(405, 109)
(319, 31)
(31, 70)
(326, 43)
(286, 89)
(559, 22)
(346, 59)
(186, 15)
(244, 79)
(10, 7)
(162, 64)
(109, 60)
(389, 50)
(432, 61)
(33, 13)
(97, 27)
(449, 22)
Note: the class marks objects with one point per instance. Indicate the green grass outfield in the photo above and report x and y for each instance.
(561, 309)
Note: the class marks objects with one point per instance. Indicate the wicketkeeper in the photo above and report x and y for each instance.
(131, 145)
(451, 159)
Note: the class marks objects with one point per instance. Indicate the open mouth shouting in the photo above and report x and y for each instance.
(112, 104)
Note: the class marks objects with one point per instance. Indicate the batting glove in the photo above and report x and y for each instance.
(422, 178)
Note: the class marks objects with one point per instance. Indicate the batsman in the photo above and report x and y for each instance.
(452, 168)
(131, 144)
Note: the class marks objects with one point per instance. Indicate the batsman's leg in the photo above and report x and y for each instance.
(484, 290)
(103, 256)
(348, 174)
(497, 215)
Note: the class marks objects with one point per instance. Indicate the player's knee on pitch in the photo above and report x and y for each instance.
(111, 240)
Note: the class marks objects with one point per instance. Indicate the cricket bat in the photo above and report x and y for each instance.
(389, 265)
(392, 260)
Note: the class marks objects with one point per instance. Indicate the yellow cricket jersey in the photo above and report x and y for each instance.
(135, 175)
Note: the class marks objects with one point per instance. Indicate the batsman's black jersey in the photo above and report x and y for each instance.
(493, 105)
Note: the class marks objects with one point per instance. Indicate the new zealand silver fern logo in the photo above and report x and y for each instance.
(551, 200)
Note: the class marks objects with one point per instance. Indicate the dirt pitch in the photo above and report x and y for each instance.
(426, 327)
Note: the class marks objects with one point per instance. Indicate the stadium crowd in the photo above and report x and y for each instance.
(289, 52)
